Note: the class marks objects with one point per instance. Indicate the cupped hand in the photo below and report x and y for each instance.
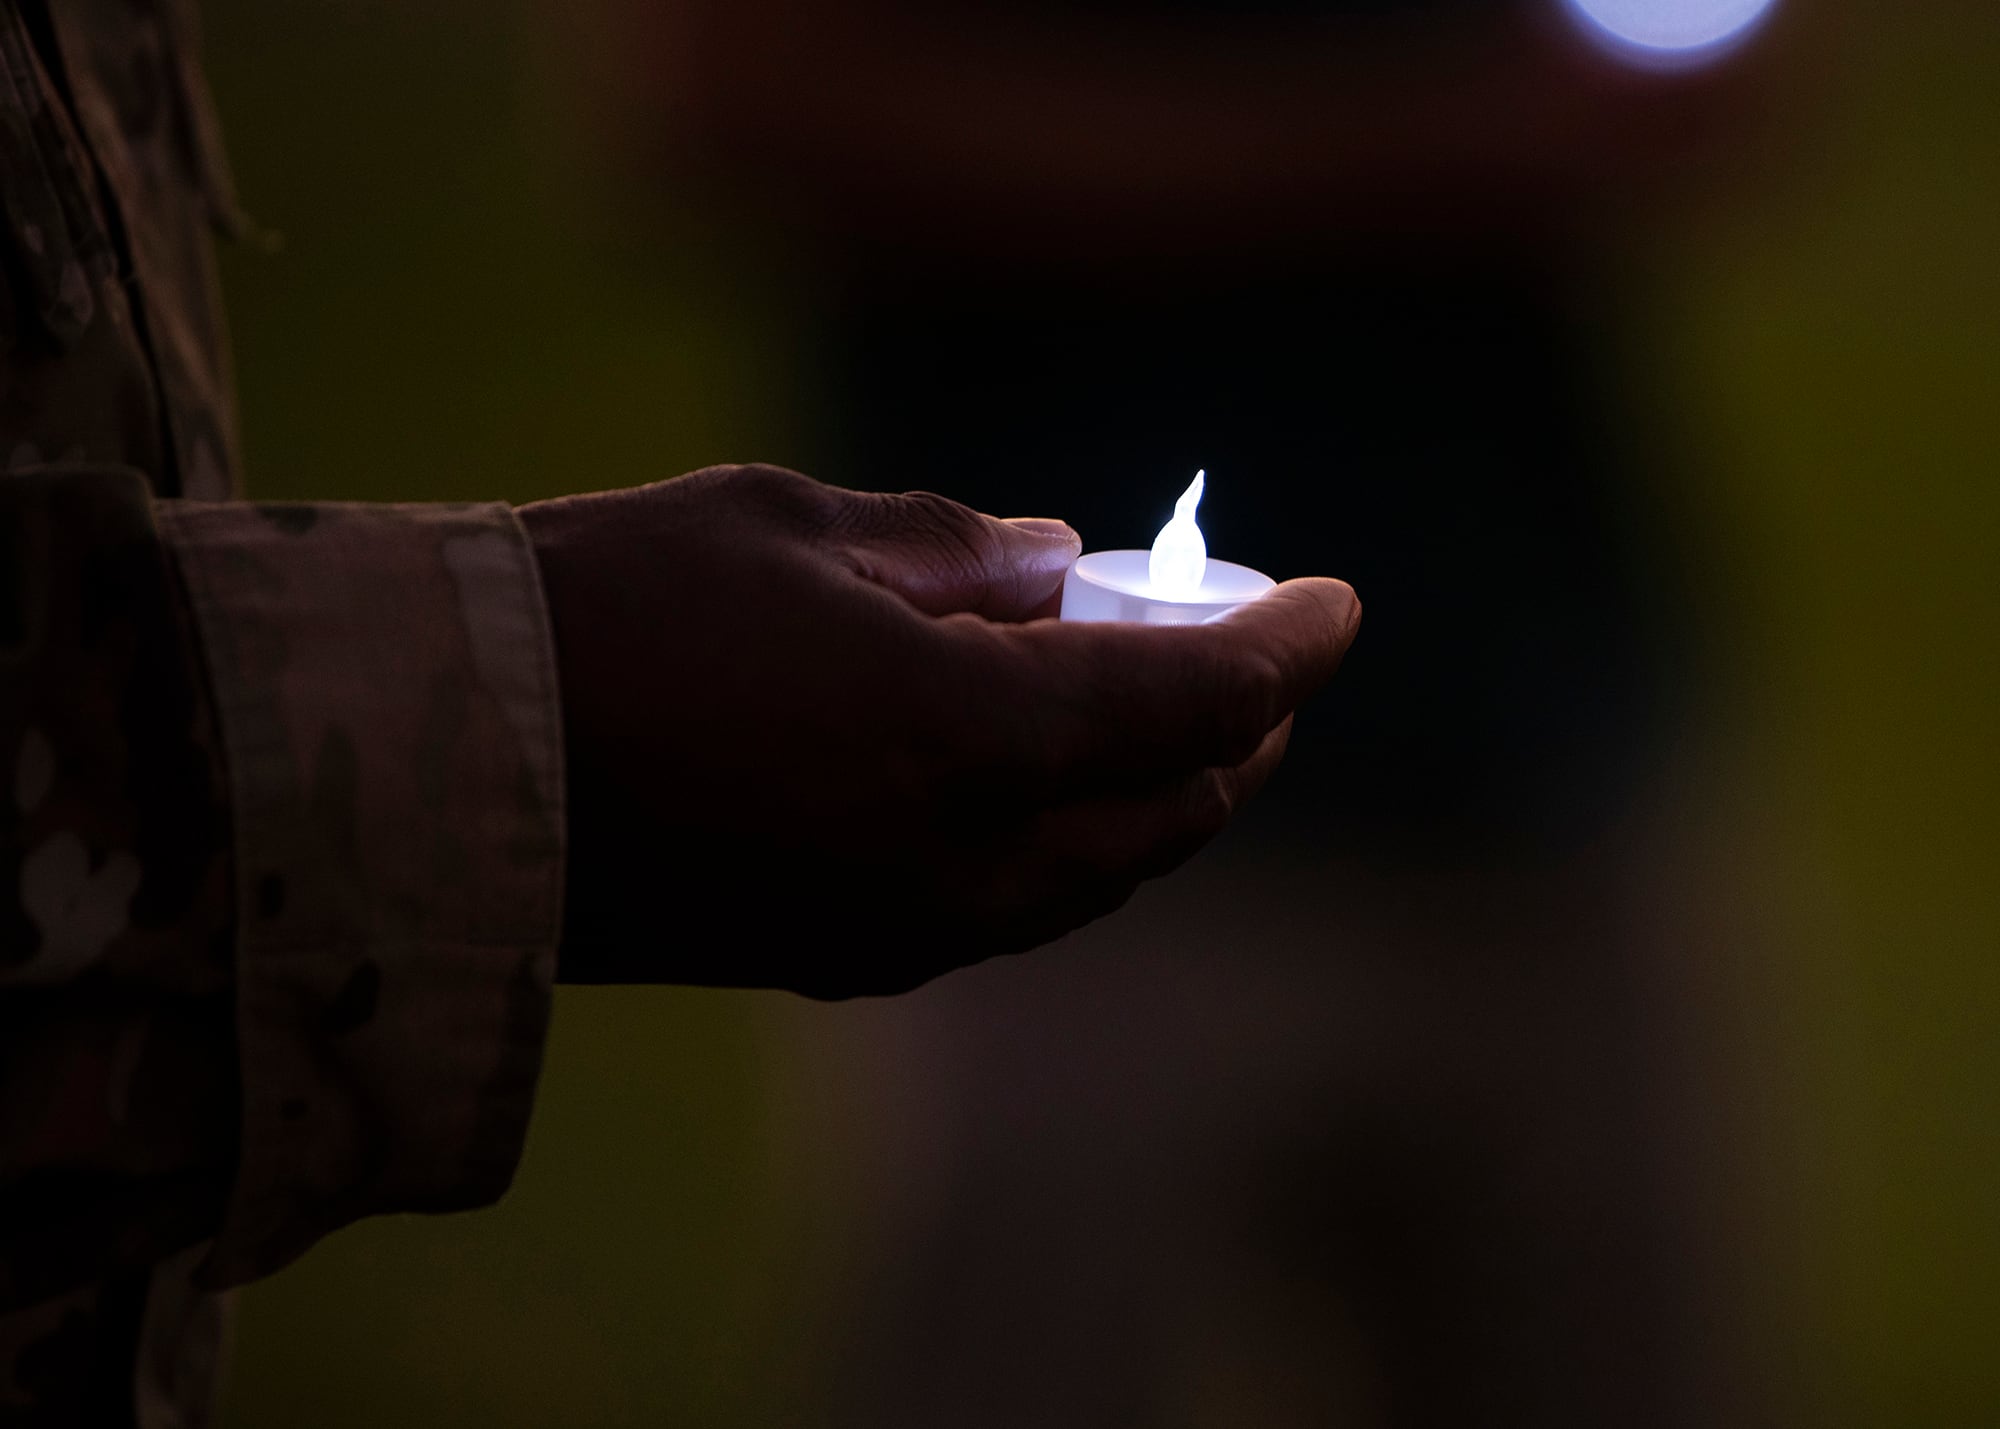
(829, 741)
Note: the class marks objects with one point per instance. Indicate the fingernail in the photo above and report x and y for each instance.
(1044, 526)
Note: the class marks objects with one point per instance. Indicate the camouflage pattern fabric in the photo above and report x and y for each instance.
(282, 782)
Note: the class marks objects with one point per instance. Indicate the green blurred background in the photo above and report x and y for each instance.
(458, 312)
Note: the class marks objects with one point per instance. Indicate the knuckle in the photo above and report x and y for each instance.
(1201, 809)
(779, 491)
(955, 533)
(1206, 806)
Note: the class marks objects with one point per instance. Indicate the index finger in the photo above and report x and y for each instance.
(1121, 699)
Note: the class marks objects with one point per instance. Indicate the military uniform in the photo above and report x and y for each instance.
(281, 784)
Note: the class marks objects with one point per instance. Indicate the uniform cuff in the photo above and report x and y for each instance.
(384, 678)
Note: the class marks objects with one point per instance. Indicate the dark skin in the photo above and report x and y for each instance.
(954, 819)
(841, 730)
(1008, 139)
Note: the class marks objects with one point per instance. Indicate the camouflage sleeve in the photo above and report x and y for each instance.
(287, 836)
(384, 682)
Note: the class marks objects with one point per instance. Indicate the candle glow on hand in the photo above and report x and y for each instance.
(1179, 558)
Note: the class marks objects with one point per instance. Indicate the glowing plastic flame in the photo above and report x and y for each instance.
(1180, 556)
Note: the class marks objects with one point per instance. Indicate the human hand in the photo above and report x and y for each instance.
(825, 740)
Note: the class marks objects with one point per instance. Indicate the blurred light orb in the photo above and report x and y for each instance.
(1671, 32)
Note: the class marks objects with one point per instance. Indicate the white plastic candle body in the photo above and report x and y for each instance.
(1116, 585)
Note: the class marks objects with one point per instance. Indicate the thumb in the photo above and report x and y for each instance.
(945, 558)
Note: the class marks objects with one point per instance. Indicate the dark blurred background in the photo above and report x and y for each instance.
(1594, 1025)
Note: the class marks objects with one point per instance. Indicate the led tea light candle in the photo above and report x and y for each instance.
(1175, 583)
